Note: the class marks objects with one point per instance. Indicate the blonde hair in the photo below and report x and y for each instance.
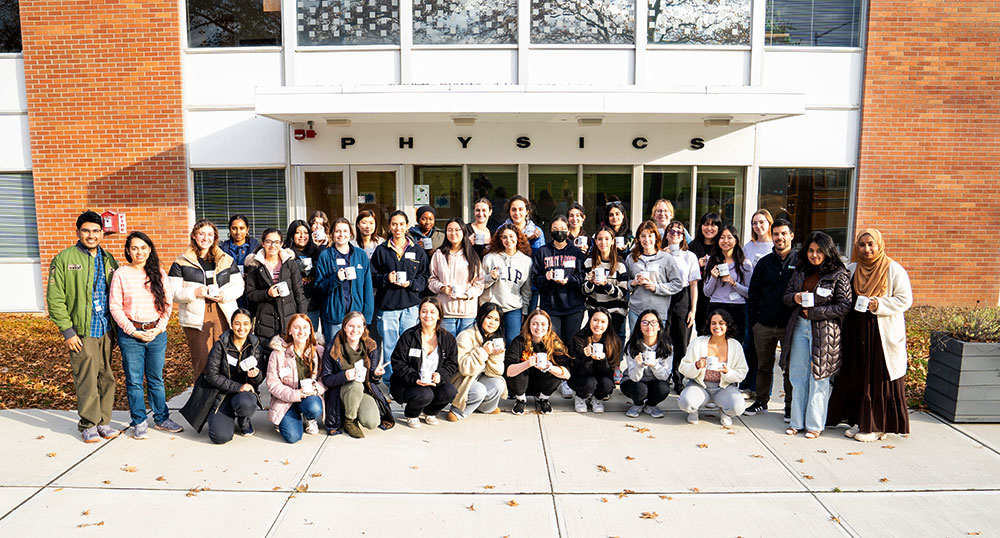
(770, 221)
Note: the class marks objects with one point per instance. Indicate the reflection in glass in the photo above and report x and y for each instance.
(669, 183)
(10, 26)
(348, 22)
(376, 192)
(720, 190)
(325, 192)
(811, 198)
(496, 183)
(699, 22)
(448, 22)
(604, 184)
(602, 22)
(445, 190)
(234, 23)
(551, 189)
(819, 23)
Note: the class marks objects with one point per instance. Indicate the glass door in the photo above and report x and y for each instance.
(373, 188)
(324, 191)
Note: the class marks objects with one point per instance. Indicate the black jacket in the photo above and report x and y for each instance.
(334, 378)
(516, 353)
(765, 299)
(273, 312)
(315, 299)
(222, 378)
(414, 261)
(825, 317)
(406, 363)
(583, 365)
(559, 299)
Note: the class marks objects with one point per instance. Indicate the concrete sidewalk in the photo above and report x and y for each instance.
(563, 474)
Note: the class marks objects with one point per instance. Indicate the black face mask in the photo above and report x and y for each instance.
(560, 236)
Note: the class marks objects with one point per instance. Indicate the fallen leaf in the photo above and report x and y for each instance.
(302, 488)
(267, 461)
(974, 533)
(703, 445)
(629, 458)
(317, 475)
(82, 525)
(625, 493)
(85, 513)
(650, 437)
(821, 451)
(51, 454)
(130, 468)
(890, 447)
(641, 430)
(512, 502)
(471, 507)
(666, 497)
(883, 480)
(855, 453)
(627, 425)
(413, 467)
(57, 489)
(488, 487)
(756, 456)
(694, 490)
(161, 479)
(275, 488)
(835, 519)
(603, 469)
(285, 462)
(604, 499)
(40, 437)
(648, 515)
(106, 482)
(807, 476)
(840, 459)
(192, 492)
(172, 438)
(730, 432)
(801, 460)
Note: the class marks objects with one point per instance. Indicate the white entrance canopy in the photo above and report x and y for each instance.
(711, 105)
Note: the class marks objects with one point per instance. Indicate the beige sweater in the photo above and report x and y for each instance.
(891, 323)
(736, 363)
(453, 270)
(473, 361)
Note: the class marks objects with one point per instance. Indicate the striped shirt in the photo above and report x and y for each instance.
(131, 299)
(99, 317)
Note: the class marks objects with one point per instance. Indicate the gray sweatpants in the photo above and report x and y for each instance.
(729, 399)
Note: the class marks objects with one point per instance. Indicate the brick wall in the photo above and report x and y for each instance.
(103, 82)
(929, 164)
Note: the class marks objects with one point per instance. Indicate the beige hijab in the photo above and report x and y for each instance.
(871, 277)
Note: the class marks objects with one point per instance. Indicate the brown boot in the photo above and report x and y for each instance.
(353, 428)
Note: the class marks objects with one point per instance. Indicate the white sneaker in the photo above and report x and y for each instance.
(413, 422)
(693, 418)
(597, 405)
(726, 420)
(579, 404)
(711, 405)
(869, 437)
(653, 411)
(564, 390)
(312, 428)
(852, 431)
(431, 420)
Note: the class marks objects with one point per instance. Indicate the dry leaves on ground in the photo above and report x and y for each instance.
(890, 447)
(625, 493)
(471, 507)
(161, 479)
(603, 469)
(604, 499)
(130, 468)
(801, 460)
(51, 454)
(316, 475)
(694, 490)
(512, 502)
(82, 525)
(302, 488)
(821, 451)
(756, 456)
(855, 453)
(629, 458)
(702, 445)
(666, 497)
(807, 476)
(883, 480)
(649, 515)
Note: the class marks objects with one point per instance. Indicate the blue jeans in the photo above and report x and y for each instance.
(392, 323)
(330, 330)
(511, 325)
(457, 325)
(314, 319)
(484, 395)
(291, 424)
(809, 395)
(144, 358)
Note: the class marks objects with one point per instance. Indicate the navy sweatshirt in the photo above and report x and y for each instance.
(554, 298)
(389, 296)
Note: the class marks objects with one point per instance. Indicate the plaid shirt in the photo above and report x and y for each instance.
(99, 318)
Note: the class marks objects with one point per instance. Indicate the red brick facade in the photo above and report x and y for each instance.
(103, 82)
(929, 165)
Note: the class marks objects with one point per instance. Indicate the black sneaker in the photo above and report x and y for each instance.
(544, 407)
(518, 408)
(246, 427)
(788, 415)
(757, 407)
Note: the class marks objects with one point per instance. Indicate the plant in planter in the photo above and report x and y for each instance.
(963, 371)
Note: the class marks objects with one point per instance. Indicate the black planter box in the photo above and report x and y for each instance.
(963, 380)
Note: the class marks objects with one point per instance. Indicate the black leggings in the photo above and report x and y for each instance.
(646, 392)
(567, 326)
(586, 386)
(220, 423)
(428, 400)
(532, 382)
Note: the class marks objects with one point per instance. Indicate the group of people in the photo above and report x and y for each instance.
(338, 320)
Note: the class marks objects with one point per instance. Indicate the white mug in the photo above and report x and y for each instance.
(861, 305)
(400, 277)
(558, 274)
(723, 269)
(713, 363)
(213, 290)
(619, 241)
(458, 290)
(597, 349)
(248, 364)
(319, 235)
(427, 377)
(649, 358)
(581, 241)
(283, 289)
(307, 263)
(480, 238)
(350, 273)
(808, 299)
(426, 243)
(360, 371)
(542, 360)
(307, 385)
(600, 275)
(497, 344)
(647, 275)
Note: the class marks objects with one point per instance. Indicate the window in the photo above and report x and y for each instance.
(496, 183)
(450, 22)
(602, 22)
(348, 22)
(444, 188)
(18, 228)
(816, 23)
(669, 183)
(720, 190)
(257, 194)
(603, 184)
(810, 198)
(699, 22)
(234, 23)
(551, 190)
(10, 26)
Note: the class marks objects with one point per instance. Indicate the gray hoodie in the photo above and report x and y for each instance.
(512, 289)
(667, 276)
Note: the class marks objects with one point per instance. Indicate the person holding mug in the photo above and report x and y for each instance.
(654, 276)
(299, 240)
(729, 279)
(293, 380)
(479, 231)
(705, 236)
(456, 277)
(507, 277)
(226, 394)
(425, 362)
(274, 286)
(557, 273)
(662, 213)
(205, 283)
(648, 365)
(344, 280)
(140, 305)
(352, 368)
(606, 283)
(424, 233)
(479, 381)
(714, 366)
(870, 393)
(576, 216)
(536, 362)
(616, 219)
(239, 245)
(683, 304)
(760, 243)
(321, 228)
(820, 289)
(518, 208)
(596, 354)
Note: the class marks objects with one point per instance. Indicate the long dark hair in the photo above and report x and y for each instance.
(708, 218)
(726, 317)
(595, 255)
(718, 256)
(625, 229)
(465, 246)
(496, 241)
(831, 254)
(310, 249)
(154, 275)
(377, 234)
(486, 309)
(636, 339)
(612, 344)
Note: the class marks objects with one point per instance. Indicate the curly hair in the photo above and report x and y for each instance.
(496, 243)
(727, 318)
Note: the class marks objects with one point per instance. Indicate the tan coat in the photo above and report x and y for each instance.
(891, 323)
(473, 361)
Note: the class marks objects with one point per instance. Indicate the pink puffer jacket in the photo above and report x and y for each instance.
(283, 378)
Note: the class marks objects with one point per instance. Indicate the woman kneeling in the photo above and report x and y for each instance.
(423, 363)
(533, 361)
(714, 366)
(292, 380)
(479, 380)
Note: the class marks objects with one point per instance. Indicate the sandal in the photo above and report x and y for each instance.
(812, 435)
(791, 431)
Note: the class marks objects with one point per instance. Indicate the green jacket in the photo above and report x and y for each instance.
(71, 289)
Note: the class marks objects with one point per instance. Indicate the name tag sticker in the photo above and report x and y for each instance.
(733, 296)
(282, 372)
(824, 292)
(74, 267)
(341, 261)
(414, 352)
(232, 360)
(410, 256)
(209, 274)
(570, 263)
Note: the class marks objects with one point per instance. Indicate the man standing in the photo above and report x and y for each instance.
(768, 314)
(239, 245)
(77, 298)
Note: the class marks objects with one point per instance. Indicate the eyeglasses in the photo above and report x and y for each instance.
(675, 232)
(270, 242)
(649, 323)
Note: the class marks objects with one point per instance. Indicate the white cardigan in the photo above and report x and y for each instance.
(891, 323)
(736, 362)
